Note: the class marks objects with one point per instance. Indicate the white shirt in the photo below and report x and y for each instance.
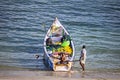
(83, 51)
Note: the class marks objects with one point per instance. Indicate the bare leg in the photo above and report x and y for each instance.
(83, 66)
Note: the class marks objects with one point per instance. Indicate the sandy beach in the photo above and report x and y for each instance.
(25, 74)
(50, 75)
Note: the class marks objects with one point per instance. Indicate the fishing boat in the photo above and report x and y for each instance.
(58, 48)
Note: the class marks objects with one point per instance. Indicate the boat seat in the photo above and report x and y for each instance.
(56, 39)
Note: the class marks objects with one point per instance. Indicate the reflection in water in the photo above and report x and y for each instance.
(69, 74)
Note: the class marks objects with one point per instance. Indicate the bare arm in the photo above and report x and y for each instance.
(82, 56)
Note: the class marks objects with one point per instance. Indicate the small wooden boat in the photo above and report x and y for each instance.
(58, 48)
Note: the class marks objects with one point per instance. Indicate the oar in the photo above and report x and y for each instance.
(44, 27)
(74, 61)
(37, 55)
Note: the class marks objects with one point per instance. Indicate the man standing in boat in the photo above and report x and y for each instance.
(83, 57)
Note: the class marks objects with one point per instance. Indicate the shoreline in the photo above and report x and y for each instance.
(51, 75)
(14, 73)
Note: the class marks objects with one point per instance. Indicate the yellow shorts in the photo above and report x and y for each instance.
(83, 60)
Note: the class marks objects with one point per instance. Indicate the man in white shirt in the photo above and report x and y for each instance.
(83, 57)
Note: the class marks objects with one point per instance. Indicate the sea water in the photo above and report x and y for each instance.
(95, 23)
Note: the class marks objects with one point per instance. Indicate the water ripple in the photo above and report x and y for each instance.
(22, 30)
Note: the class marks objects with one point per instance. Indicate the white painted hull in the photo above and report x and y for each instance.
(50, 61)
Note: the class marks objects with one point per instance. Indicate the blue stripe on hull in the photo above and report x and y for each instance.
(48, 63)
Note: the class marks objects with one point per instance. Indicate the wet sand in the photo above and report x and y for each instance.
(25, 74)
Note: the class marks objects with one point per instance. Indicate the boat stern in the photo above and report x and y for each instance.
(62, 67)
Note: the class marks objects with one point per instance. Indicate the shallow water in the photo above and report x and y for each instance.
(95, 23)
